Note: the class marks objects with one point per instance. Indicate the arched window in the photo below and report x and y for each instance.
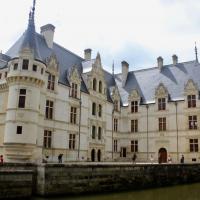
(99, 133)
(93, 108)
(94, 84)
(100, 110)
(100, 86)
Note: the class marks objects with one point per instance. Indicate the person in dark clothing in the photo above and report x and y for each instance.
(60, 158)
(182, 159)
(134, 157)
(1, 159)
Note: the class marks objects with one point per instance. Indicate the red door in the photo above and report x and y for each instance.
(162, 155)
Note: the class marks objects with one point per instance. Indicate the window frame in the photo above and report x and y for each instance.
(162, 124)
(22, 98)
(194, 145)
(51, 82)
(192, 122)
(47, 139)
(191, 99)
(134, 106)
(134, 146)
(49, 109)
(161, 104)
(134, 125)
(72, 141)
(73, 115)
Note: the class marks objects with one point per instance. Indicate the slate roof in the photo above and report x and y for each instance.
(65, 58)
(146, 81)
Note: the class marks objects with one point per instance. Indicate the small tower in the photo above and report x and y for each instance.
(25, 81)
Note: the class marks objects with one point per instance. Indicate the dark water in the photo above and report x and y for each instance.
(184, 192)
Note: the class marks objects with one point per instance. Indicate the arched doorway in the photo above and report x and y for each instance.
(162, 155)
(93, 155)
(99, 155)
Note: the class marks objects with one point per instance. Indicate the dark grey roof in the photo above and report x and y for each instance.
(65, 58)
(173, 77)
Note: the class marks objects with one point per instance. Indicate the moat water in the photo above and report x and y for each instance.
(183, 192)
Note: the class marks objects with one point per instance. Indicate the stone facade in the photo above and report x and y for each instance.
(54, 102)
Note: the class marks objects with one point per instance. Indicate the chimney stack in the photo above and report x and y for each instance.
(160, 62)
(125, 69)
(175, 59)
(48, 32)
(87, 54)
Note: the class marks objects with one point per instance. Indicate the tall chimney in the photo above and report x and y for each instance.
(125, 69)
(160, 62)
(87, 54)
(175, 59)
(48, 32)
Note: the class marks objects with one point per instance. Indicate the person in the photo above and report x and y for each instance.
(1, 159)
(60, 158)
(134, 157)
(169, 159)
(182, 159)
(151, 158)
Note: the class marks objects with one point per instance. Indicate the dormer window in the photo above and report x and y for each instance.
(115, 105)
(191, 101)
(94, 84)
(51, 82)
(35, 68)
(134, 106)
(100, 86)
(25, 64)
(15, 66)
(161, 104)
(74, 90)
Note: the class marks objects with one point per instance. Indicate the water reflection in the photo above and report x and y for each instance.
(184, 192)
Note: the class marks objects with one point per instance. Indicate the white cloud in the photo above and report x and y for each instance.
(161, 27)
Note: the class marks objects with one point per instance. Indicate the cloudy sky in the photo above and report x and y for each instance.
(137, 31)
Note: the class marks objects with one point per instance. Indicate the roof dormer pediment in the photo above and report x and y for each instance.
(161, 91)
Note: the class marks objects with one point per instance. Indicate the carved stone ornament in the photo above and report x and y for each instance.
(52, 62)
(191, 86)
(115, 93)
(134, 95)
(161, 91)
(74, 75)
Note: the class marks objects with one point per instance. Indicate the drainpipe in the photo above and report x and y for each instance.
(147, 106)
(112, 132)
(176, 105)
(79, 128)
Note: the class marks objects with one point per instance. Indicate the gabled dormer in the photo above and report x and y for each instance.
(191, 93)
(161, 96)
(53, 72)
(134, 101)
(115, 96)
(96, 78)
(75, 83)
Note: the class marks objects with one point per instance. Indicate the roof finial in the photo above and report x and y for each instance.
(113, 68)
(33, 9)
(196, 52)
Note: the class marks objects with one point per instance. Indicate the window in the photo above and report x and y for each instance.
(115, 124)
(192, 122)
(49, 109)
(100, 86)
(134, 125)
(6, 73)
(51, 82)
(134, 146)
(74, 90)
(0, 75)
(194, 146)
(93, 108)
(73, 115)
(162, 124)
(15, 66)
(47, 139)
(42, 70)
(134, 106)
(99, 133)
(35, 68)
(191, 101)
(115, 105)
(93, 132)
(115, 145)
(22, 98)
(100, 110)
(72, 141)
(25, 64)
(161, 104)
(19, 129)
(94, 84)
